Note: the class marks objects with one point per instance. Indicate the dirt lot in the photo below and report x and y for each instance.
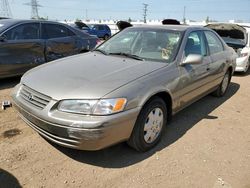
(206, 145)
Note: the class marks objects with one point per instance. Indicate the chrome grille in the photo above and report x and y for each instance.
(33, 97)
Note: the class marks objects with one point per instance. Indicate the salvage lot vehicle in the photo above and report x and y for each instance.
(100, 30)
(238, 37)
(126, 89)
(25, 44)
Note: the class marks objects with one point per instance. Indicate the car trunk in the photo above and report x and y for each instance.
(234, 35)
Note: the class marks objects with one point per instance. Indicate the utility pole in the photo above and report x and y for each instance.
(145, 11)
(5, 10)
(34, 9)
(86, 14)
(184, 15)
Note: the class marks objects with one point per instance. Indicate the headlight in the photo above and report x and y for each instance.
(93, 107)
(77, 106)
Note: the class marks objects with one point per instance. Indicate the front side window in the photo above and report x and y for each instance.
(23, 32)
(149, 44)
(196, 44)
(214, 43)
(55, 31)
(101, 27)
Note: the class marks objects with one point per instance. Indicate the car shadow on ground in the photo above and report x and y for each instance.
(121, 155)
(7, 83)
(8, 180)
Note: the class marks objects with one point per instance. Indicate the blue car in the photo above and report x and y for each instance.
(100, 30)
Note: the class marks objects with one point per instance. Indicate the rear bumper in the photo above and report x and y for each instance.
(241, 64)
(108, 130)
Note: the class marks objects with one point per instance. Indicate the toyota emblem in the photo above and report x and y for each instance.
(30, 97)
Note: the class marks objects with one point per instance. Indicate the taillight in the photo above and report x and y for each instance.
(98, 42)
(243, 54)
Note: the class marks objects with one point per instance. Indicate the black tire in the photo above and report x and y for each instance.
(106, 37)
(221, 90)
(247, 66)
(137, 138)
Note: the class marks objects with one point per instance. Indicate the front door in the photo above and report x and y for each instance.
(21, 49)
(193, 77)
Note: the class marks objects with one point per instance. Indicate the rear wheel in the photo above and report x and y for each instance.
(149, 125)
(221, 90)
(105, 37)
(247, 67)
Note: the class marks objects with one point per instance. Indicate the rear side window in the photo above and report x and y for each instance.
(214, 43)
(23, 32)
(56, 31)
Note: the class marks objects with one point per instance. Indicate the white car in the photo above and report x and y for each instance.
(243, 61)
(237, 37)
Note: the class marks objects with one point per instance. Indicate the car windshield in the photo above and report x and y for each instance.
(91, 26)
(145, 43)
(2, 26)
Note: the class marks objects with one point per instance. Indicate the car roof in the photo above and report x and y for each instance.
(6, 23)
(172, 27)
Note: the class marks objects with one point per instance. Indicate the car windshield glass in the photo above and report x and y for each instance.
(91, 26)
(2, 26)
(144, 43)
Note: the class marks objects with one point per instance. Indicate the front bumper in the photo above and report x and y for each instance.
(78, 131)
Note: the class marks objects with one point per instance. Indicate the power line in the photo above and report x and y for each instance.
(145, 10)
(34, 9)
(5, 10)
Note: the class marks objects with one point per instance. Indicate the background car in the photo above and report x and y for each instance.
(238, 38)
(127, 89)
(100, 30)
(25, 44)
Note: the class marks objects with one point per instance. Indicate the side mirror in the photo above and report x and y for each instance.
(192, 59)
(2, 38)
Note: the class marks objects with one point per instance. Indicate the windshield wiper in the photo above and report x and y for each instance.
(127, 55)
(102, 51)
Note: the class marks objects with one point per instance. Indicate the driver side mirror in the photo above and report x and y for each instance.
(192, 59)
(2, 38)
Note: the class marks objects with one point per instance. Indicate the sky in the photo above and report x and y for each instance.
(220, 10)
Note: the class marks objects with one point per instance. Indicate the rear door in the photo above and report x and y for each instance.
(60, 41)
(218, 58)
(193, 77)
(21, 50)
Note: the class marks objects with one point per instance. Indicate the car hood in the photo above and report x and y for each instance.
(234, 35)
(86, 76)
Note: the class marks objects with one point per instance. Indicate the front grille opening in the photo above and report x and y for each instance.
(33, 97)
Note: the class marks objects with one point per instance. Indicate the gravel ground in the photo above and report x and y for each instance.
(205, 145)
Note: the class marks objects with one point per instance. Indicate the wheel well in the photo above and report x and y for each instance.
(230, 70)
(84, 51)
(168, 101)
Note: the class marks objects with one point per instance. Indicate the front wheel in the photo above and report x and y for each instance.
(149, 125)
(221, 90)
